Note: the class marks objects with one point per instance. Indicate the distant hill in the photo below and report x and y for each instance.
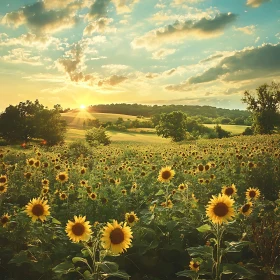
(149, 111)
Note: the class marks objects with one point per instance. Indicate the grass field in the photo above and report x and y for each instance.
(116, 136)
(76, 119)
(234, 129)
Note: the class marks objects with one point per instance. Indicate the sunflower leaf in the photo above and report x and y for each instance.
(204, 228)
(64, 268)
(108, 267)
(238, 269)
(204, 251)
(79, 259)
(118, 274)
(160, 192)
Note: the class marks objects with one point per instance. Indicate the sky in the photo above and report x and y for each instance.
(190, 52)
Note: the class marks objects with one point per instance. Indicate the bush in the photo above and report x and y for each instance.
(248, 131)
(78, 148)
(97, 136)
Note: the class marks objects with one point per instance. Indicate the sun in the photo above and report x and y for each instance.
(82, 107)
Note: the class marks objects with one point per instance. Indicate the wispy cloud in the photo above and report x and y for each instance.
(250, 29)
(256, 3)
(179, 31)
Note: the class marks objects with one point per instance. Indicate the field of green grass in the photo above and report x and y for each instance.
(135, 135)
(76, 118)
(234, 129)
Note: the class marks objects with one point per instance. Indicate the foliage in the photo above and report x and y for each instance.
(29, 120)
(221, 133)
(173, 125)
(265, 107)
(78, 148)
(97, 136)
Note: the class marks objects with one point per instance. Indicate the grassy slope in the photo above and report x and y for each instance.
(75, 124)
(234, 129)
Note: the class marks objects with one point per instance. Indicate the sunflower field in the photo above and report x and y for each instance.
(208, 209)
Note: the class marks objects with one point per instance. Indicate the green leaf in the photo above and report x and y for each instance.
(160, 192)
(78, 259)
(108, 267)
(236, 246)
(203, 251)
(204, 228)
(55, 221)
(118, 274)
(171, 225)
(64, 268)
(87, 275)
(237, 269)
(21, 257)
(187, 273)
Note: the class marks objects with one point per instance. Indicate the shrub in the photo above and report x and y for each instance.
(97, 136)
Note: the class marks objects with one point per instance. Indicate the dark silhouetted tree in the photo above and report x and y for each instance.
(265, 107)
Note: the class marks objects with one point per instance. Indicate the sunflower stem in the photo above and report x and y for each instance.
(219, 233)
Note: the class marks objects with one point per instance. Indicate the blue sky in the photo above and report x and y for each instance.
(196, 52)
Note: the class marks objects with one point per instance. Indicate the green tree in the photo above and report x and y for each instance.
(172, 125)
(221, 133)
(97, 136)
(29, 120)
(265, 107)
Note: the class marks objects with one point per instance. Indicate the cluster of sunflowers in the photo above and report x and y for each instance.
(161, 183)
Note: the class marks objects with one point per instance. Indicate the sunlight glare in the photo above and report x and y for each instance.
(82, 107)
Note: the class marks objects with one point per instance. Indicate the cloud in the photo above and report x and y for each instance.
(99, 26)
(99, 9)
(56, 4)
(162, 53)
(212, 57)
(180, 2)
(32, 40)
(39, 19)
(20, 56)
(179, 31)
(250, 29)
(115, 67)
(112, 81)
(151, 75)
(244, 65)
(256, 3)
(124, 6)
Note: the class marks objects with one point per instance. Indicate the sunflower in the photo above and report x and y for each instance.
(3, 188)
(63, 196)
(252, 193)
(3, 180)
(62, 177)
(246, 209)
(37, 163)
(45, 182)
(116, 237)
(83, 170)
(229, 190)
(220, 209)
(124, 192)
(92, 196)
(166, 174)
(37, 209)
(83, 183)
(182, 187)
(30, 161)
(4, 220)
(28, 175)
(194, 266)
(131, 218)
(45, 190)
(79, 230)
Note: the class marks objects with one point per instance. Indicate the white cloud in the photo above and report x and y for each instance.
(256, 3)
(99, 26)
(162, 53)
(250, 29)
(21, 56)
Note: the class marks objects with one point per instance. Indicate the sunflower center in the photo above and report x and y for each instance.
(220, 209)
(38, 210)
(252, 194)
(195, 265)
(2, 179)
(229, 191)
(166, 174)
(245, 208)
(4, 220)
(78, 229)
(131, 218)
(62, 177)
(2, 188)
(117, 236)
(93, 195)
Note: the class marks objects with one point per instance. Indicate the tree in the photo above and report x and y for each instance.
(97, 136)
(265, 107)
(221, 133)
(172, 125)
(29, 120)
